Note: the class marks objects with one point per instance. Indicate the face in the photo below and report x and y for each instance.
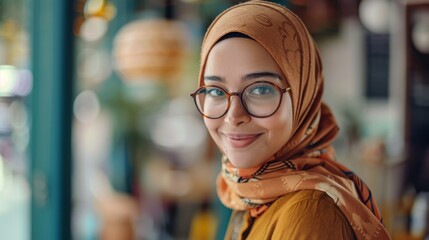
(247, 141)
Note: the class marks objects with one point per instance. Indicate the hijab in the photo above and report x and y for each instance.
(307, 160)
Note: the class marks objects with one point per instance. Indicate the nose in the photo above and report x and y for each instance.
(236, 114)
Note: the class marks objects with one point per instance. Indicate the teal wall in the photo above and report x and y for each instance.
(51, 114)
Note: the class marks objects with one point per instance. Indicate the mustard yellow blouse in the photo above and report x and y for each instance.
(305, 214)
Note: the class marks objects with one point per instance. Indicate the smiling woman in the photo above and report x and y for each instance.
(260, 91)
(252, 130)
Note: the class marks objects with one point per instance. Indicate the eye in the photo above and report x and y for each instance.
(261, 90)
(214, 92)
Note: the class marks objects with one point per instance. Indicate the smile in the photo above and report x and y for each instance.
(241, 140)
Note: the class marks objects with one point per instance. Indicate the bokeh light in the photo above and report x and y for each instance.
(94, 66)
(25, 83)
(93, 29)
(94, 7)
(177, 130)
(420, 32)
(375, 15)
(14, 82)
(8, 80)
(86, 106)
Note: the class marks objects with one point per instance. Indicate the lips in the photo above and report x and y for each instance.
(241, 140)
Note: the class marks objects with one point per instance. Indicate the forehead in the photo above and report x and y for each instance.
(239, 56)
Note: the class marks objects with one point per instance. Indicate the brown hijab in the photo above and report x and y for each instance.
(307, 160)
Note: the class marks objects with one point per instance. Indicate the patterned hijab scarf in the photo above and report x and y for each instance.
(306, 161)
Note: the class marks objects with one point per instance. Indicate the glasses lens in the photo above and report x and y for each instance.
(261, 99)
(211, 101)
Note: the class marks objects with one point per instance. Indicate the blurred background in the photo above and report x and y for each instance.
(99, 138)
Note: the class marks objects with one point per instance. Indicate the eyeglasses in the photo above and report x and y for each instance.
(260, 99)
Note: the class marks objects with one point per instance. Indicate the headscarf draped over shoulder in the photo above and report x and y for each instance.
(307, 159)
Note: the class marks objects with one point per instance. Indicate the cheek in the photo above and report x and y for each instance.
(212, 125)
(280, 125)
(286, 120)
(286, 114)
(279, 134)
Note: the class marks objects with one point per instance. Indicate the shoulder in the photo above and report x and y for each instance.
(307, 214)
(291, 199)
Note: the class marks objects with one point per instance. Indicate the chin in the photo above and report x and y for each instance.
(242, 162)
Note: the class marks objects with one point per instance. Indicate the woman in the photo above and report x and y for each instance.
(260, 94)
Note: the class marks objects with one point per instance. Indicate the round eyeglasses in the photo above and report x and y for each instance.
(260, 99)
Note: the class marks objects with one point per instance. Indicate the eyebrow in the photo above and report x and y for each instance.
(255, 75)
(214, 78)
(246, 77)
